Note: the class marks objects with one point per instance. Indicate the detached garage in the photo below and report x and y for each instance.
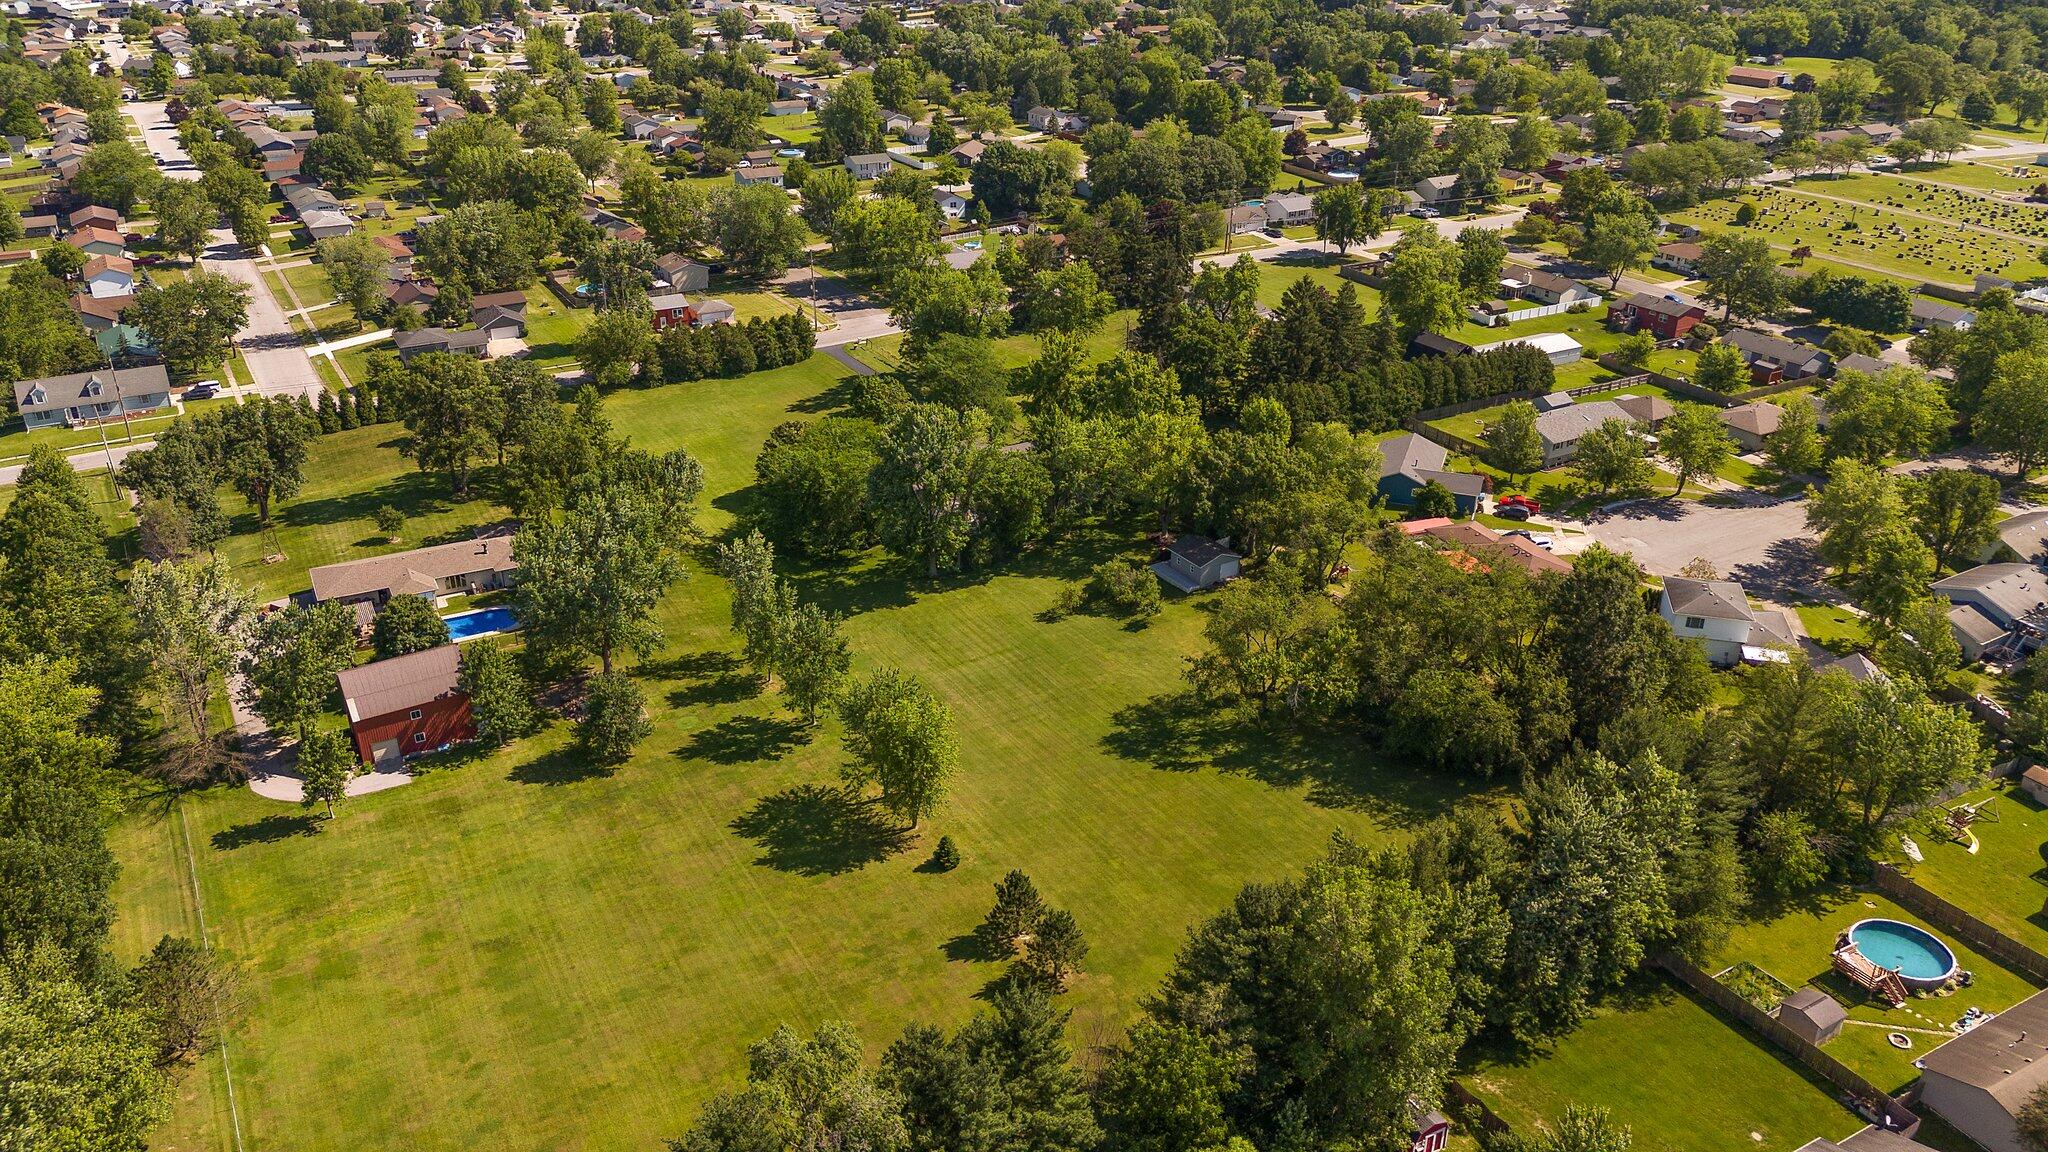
(407, 705)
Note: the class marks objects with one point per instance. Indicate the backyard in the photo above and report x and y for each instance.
(567, 958)
(2004, 883)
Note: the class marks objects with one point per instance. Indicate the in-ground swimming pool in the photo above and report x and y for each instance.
(1920, 959)
(482, 622)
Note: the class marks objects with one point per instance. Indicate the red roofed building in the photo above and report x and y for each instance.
(407, 705)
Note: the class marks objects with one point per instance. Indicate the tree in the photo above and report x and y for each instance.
(1056, 951)
(1857, 502)
(56, 793)
(885, 238)
(190, 619)
(187, 996)
(1584, 1129)
(115, 174)
(358, 270)
(920, 484)
(1341, 216)
(1741, 275)
(1015, 915)
(617, 346)
(184, 217)
(589, 581)
(290, 661)
(755, 227)
(826, 193)
(78, 1069)
(1896, 412)
(500, 699)
(802, 1092)
(2032, 1120)
(1618, 243)
(1481, 254)
(1721, 368)
(327, 761)
(1424, 290)
(407, 624)
(1613, 458)
(454, 410)
(901, 738)
(1512, 444)
(337, 159)
(811, 658)
(260, 449)
(614, 718)
(1955, 511)
(1797, 448)
(192, 321)
(2012, 417)
(1695, 441)
(390, 521)
(1166, 1087)
(1069, 298)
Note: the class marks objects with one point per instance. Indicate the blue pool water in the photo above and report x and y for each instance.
(482, 622)
(1916, 954)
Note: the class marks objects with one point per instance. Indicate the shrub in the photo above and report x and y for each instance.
(614, 718)
(1123, 590)
(390, 521)
(945, 857)
(1745, 214)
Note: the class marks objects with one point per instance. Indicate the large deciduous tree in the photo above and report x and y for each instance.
(900, 735)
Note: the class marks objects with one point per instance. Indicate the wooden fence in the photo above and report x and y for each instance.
(1976, 933)
(1470, 1110)
(1873, 1101)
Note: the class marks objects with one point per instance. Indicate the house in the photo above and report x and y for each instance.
(1246, 218)
(710, 310)
(406, 706)
(39, 227)
(118, 337)
(1718, 615)
(1812, 1015)
(1488, 547)
(670, 309)
(1649, 411)
(1665, 317)
(1858, 362)
(94, 216)
(499, 323)
(788, 107)
(1753, 423)
(1548, 287)
(468, 343)
(1434, 189)
(2023, 538)
(87, 397)
(1045, 119)
(758, 174)
(869, 165)
(463, 567)
(1935, 314)
(1680, 256)
(967, 153)
(1560, 429)
(679, 273)
(1290, 209)
(1408, 462)
(98, 241)
(326, 223)
(1193, 563)
(952, 205)
(1774, 358)
(109, 276)
(1979, 1081)
(1990, 602)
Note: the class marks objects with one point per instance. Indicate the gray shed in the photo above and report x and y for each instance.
(1812, 1015)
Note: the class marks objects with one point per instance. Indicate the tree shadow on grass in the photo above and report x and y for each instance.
(1179, 732)
(838, 396)
(971, 948)
(746, 740)
(268, 830)
(812, 830)
(564, 765)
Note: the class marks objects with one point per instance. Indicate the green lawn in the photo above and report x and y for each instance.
(1833, 627)
(564, 959)
(1989, 175)
(1276, 277)
(552, 328)
(1795, 947)
(2005, 883)
(1682, 1076)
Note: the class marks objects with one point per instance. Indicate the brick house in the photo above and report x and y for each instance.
(1664, 318)
(407, 705)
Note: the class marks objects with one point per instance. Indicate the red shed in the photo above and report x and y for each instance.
(406, 705)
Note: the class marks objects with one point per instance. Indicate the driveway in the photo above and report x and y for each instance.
(277, 362)
(1763, 544)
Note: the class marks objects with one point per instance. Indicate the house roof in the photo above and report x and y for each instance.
(1762, 346)
(2026, 534)
(414, 571)
(1483, 543)
(1858, 362)
(1645, 409)
(1564, 425)
(1409, 454)
(2002, 1055)
(1973, 624)
(437, 339)
(1644, 302)
(400, 683)
(1197, 550)
(484, 319)
(1548, 343)
(1856, 666)
(2012, 589)
(1925, 309)
(1758, 418)
(1714, 599)
(60, 392)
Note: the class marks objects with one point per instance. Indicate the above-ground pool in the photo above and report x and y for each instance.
(482, 622)
(1920, 959)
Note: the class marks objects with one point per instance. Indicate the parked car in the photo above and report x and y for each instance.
(1526, 505)
(200, 392)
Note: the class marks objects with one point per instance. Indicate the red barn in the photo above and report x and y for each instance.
(406, 705)
(1665, 318)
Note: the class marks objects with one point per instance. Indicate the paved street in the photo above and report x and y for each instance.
(1763, 544)
(162, 138)
(277, 363)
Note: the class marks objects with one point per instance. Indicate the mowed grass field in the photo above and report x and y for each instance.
(2005, 883)
(513, 952)
(1684, 1077)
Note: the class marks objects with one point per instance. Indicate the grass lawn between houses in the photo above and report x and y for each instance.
(1796, 948)
(2005, 883)
(566, 959)
(1683, 1076)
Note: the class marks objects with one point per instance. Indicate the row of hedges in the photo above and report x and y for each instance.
(723, 350)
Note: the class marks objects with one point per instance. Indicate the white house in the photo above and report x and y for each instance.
(109, 276)
(1290, 209)
(1718, 615)
(952, 205)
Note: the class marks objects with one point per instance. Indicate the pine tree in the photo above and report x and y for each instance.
(1017, 912)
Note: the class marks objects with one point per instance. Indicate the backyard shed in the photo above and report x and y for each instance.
(1194, 562)
(2034, 782)
(1812, 1015)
